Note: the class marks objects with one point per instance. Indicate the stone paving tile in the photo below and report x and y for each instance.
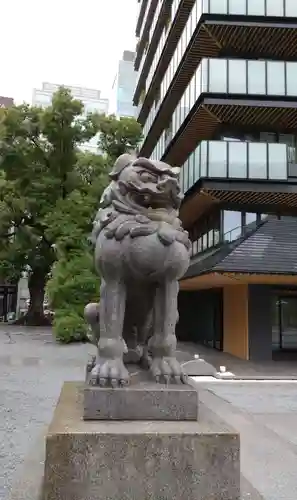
(268, 459)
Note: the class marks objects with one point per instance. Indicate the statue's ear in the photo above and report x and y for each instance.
(122, 162)
(176, 170)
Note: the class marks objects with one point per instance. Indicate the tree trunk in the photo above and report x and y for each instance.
(35, 314)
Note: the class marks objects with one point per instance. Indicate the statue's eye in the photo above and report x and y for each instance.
(148, 177)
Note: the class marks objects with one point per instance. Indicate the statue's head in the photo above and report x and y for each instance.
(147, 183)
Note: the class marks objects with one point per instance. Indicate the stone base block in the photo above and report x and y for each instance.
(141, 400)
(110, 460)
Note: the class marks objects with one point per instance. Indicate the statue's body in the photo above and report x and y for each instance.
(141, 251)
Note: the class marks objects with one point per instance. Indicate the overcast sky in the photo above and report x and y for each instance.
(63, 41)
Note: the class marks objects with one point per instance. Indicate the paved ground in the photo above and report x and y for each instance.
(33, 368)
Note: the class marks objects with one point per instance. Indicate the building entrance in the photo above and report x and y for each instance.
(284, 326)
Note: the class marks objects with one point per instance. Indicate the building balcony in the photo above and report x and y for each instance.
(222, 28)
(239, 175)
(144, 31)
(141, 15)
(233, 93)
(160, 20)
(167, 47)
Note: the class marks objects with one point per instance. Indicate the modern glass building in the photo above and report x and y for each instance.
(217, 96)
(91, 99)
(124, 85)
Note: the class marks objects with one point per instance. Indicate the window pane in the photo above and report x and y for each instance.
(257, 160)
(277, 161)
(291, 8)
(250, 218)
(191, 170)
(217, 158)
(291, 78)
(217, 75)
(237, 7)
(237, 77)
(256, 7)
(256, 77)
(218, 6)
(275, 78)
(231, 225)
(203, 159)
(238, 159)
(196, 165)
(275, 7)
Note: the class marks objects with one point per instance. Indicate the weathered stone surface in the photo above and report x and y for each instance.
(138, 460)
(28, 484)
(143, 399)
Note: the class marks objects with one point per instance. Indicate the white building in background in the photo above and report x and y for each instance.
(124, 86)
(91, 99)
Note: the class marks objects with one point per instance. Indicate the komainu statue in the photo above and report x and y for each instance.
(141, 251)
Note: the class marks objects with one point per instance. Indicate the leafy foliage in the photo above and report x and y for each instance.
(74, 282)
(118, 136)
(49, 194)
(38, 151)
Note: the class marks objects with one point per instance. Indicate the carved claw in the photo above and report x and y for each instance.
(168, 370)
(109, 372)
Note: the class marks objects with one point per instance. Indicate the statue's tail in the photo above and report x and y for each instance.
(92, 317)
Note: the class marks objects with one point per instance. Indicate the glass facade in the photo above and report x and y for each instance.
(223, 226)
(235, 76)
(237, 160)
(257, 77)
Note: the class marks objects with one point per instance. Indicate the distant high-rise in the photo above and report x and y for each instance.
(91, 99)
(124, 85)
(6, 102)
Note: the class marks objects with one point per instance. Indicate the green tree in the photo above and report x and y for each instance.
(38, 159)
(118, 136)
(73, 281)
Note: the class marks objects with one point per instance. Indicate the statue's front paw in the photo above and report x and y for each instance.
(109, 372)
(167, 370)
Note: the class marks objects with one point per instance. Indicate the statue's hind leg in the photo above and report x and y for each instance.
(109, 368)
(162, 345)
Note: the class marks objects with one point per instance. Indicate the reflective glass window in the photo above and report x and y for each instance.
(277, 154)
(211, 238)
(217, 75)
(196, 165)
(232, 225)
(250, 217)
(218, 6)
(191, 170)
(275, 78)
(237, 76)
(237, 7)
(203, 159)
(256, 77)
(238, 159)
(275, 8)
(291, 8)
(291, 68)
(217, 159)
(204, 242)
(257, 160)
(256, 7)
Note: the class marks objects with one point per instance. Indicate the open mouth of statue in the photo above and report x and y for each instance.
(155, 202)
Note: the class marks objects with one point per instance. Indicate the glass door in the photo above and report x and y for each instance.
(284, 324)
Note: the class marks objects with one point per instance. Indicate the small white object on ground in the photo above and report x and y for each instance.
(223, 369)
(196, 356)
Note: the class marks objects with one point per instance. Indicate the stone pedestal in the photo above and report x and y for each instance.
(142, 399)
(138, 460)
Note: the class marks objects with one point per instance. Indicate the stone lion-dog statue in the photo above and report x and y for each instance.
(141, 251)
